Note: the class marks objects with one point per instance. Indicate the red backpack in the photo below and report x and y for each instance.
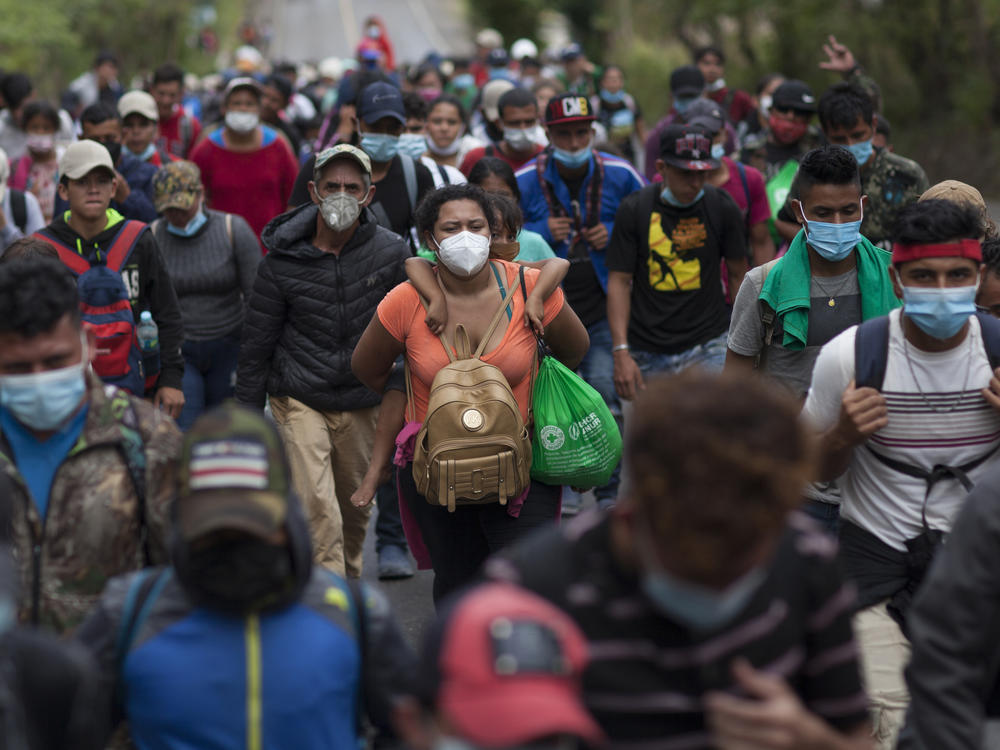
(105, 306)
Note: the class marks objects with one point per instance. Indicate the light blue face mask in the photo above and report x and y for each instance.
(613, 98)
(413, 144)
(463, 81)
(571, 159)
(940, 313)
(862, 151)
(695, 606)
(832, 242)
(45, 400)
(718, 150)
(668, 197)
(381, 147)
(145, 154)
(192, 227)
(681, 103)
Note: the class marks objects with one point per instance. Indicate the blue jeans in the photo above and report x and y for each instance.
(710, 356)
(598, 369)
(209, 375)
(388, 524)
(827, 515)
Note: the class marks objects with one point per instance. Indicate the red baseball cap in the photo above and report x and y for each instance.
(505, 668)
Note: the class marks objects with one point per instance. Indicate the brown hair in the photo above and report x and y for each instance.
(29, 247)
(716, 464)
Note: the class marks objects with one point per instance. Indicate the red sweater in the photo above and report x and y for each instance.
(171, 135)
(252, 184)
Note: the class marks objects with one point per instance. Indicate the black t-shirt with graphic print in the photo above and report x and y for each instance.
(674, 256)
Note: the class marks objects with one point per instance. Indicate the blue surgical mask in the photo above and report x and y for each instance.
(692, 605)
(381, 147)
(145, 154)
(571, 159)
(940, 313)
(192, 227)
(833, 242)
(44, 401)
(668, 197)
(718, 150)
(463, 81)
(413, 144)
(861, 152)
(613, 98)
(681, 103)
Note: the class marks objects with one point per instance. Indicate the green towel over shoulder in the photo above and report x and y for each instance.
(787, 288)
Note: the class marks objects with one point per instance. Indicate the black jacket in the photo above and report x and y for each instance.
(149, 288)
(308, 310)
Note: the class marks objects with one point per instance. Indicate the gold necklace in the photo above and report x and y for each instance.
(831, 302)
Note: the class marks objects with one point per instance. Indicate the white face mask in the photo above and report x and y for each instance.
(242, 122)
(465, 253)
(340, 211)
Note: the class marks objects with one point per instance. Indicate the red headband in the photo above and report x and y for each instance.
(961, 249)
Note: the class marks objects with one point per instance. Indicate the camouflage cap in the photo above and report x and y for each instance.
(233, 475)
(176, 185)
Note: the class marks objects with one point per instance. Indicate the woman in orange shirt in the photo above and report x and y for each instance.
(461, 217)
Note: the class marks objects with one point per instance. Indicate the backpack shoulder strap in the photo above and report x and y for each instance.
(124, 243)
(142, 594)
(871, 353)
(410, 178)
(70, 258)
(746, 191)
(990, 328)
(555, 207)
(767, 317)
(134, 453)
(19, 209)
(444, 174)
(357, 594)
(496, 318)
(229, 231)
(186, 130)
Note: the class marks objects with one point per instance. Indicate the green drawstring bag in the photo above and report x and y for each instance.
(576, 440)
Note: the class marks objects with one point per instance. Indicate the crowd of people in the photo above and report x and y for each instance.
(239, 314)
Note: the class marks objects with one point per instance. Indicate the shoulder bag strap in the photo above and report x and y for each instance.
(496, 318)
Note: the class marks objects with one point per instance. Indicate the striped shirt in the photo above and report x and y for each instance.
(648, 674)
(937, 416)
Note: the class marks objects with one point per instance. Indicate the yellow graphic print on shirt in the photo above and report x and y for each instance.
(669, 268)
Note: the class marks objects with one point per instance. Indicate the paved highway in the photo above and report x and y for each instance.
(309, 30)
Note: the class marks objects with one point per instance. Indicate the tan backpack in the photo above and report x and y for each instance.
(473, 447)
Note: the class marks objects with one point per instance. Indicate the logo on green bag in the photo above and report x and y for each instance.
(552, 437)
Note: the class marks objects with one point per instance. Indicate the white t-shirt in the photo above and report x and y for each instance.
(946, 420)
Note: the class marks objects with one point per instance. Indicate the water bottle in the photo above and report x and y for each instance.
(148, 336)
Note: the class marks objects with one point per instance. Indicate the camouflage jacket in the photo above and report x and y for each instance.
(890, 182)
(92, 531)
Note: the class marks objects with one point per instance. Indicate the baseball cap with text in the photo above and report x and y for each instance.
(687, 147)
(378, 100)
(568, 108)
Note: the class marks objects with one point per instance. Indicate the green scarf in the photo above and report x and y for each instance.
(787, 287)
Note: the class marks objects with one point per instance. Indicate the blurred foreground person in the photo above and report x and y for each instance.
(242, 642)
(500, 668)
(716, 616)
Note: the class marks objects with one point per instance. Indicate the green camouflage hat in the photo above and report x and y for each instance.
(176, 185)
(233, 474)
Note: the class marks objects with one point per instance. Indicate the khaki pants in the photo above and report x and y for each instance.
(885, 652)
(329, 454)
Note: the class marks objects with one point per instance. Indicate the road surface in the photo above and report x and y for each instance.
(309, 30)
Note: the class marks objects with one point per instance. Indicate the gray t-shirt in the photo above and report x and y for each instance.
(793, 369)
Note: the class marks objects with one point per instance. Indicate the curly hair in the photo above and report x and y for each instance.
(717, 462)
(36, 292)
(430, 207)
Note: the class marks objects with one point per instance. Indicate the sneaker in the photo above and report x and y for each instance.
(394, 563)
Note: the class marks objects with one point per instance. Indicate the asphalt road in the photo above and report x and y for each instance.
(411, 597)
(307, 30)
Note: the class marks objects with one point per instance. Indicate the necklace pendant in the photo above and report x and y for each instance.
(831, 303)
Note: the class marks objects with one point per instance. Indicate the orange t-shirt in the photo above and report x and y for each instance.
(402, 315)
